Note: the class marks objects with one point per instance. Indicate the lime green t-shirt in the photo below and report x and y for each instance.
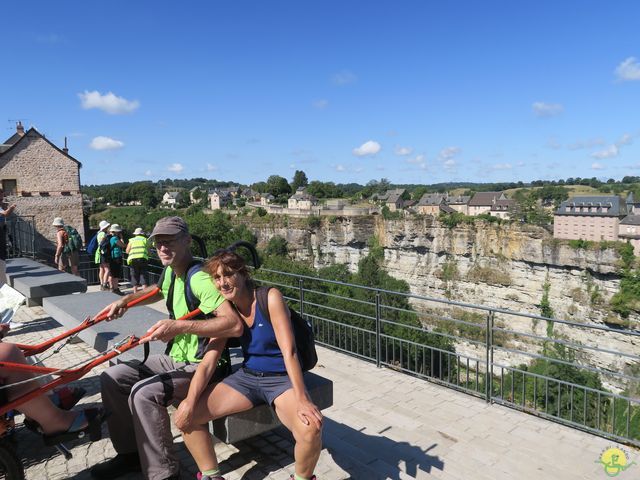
(185, 346)
(99, 237)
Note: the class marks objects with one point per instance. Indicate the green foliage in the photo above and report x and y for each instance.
(387, 214)
(314, 221)
(299, 180)
(277, 186)
(260, 212)
(376, 250)
(578, 244)
(277, 246)
(452, 220)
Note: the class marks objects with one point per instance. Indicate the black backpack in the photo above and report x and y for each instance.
(302, 331)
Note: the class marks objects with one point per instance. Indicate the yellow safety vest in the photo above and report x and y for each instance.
(138, 248)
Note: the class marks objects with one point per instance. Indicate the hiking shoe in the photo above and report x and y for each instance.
(116, 291)
(119, 465)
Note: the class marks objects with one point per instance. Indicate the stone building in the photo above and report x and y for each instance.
(589, 218)
(43, 181)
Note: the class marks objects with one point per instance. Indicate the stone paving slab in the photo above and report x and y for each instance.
(36, 280)
(374, 430)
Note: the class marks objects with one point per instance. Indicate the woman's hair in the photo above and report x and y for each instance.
(230, 262)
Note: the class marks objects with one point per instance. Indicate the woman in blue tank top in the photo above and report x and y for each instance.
(270, 374)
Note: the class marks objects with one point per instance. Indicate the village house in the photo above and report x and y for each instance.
(266, 199)
(492, 203)
(43, 181)
(436, 203)
(301, 200)
(219, 198)
(392, 199)
(170, 199)
(589, 218)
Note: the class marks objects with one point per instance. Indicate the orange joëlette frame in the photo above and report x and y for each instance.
(66, 376)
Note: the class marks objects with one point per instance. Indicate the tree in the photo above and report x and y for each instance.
(277, 185)
(299, 180)
(277, 246)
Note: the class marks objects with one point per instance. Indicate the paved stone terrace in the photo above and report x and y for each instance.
(383, 425)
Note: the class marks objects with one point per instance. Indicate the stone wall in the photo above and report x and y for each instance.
(48, 185)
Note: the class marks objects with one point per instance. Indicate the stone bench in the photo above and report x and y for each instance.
(37, 281)
(70, 310)
(261, 419)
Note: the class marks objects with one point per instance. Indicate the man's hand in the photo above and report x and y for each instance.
(114, 310)
(165, 330)
(184, 415)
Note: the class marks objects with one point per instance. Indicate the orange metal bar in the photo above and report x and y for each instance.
(70, 375)
(29, 350)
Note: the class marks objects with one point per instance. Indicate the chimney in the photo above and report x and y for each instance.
(65, 149)
(20, 128)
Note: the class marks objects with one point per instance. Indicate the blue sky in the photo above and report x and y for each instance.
(348, 91)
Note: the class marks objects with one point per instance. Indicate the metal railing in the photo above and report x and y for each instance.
(21, 236)
(556, 369)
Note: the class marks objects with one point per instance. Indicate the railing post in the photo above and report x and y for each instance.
(488, 382)
(301, 293)
(378, 330)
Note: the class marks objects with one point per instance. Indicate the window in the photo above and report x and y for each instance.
(9, 187)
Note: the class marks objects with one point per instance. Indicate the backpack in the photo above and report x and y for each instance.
(92, 246)
(105, 247)
(116, 250)
(74, 240)
(223, 368)
(302, 331)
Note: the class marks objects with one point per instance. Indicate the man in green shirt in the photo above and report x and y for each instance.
(137, 394)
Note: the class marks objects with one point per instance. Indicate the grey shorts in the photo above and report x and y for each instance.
(258, 389)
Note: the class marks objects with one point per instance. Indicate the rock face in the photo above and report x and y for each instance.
(500, 266)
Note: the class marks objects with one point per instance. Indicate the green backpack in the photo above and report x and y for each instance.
(74, 240)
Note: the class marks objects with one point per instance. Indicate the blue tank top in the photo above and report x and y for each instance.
(259, 346)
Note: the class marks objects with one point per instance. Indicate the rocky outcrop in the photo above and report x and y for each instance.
(501, 266)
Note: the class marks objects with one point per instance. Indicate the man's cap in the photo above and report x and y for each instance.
(170, 226)
(138, 231)
(103, 225)
(58, 222)
(115, 228)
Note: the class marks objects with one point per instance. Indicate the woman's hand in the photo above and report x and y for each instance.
(309, 414)
(184, 415)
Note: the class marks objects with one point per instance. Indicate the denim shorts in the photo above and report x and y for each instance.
(258, 389)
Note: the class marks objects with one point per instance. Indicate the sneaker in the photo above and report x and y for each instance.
(119, 465)
(117, 291)
(200, 476)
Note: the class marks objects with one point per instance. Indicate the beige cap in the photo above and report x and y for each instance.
(58, 222)
(170, 226)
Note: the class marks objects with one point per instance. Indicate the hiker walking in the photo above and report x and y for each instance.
(137, 258)
(68, 244)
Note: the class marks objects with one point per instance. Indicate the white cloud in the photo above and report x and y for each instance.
(403, 150)
(340, 168)
(210, 167)
(597, 166)
(520, 164)
(449, 152)
(321, 104)
(449, 164)
(609, 152)
(108, 102)
(628, 70)
(542, 109)
(626, 139)
(175, 167)
(148, 173)
(501, 166)
(105, 143)
(417, 159)
(368, 148)
(358, 169)
(589, 143)
(344, 77)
